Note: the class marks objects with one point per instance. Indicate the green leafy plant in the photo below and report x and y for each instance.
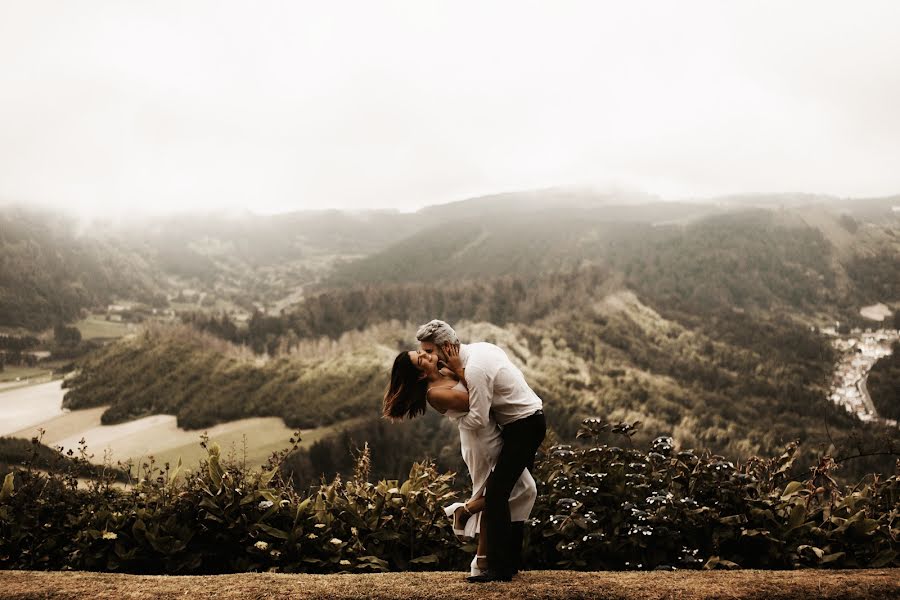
(599, 507)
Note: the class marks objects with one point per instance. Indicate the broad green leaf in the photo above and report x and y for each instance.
(274, 532)
(215, 470)
(792, 488)
(173, 476)
(267, 477)
(883, 559)
(425, 560)
(8, 487)
(805, 548)
(720, 563)
(798, 516)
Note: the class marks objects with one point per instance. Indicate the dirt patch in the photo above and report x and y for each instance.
(876, 312)
(881, 584)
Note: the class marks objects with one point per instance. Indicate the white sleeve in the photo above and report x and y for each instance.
(480, 394)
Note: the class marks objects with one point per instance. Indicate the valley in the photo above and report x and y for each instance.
(693, 318)
(36, 411)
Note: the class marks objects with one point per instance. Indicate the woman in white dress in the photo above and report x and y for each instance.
(418, 380)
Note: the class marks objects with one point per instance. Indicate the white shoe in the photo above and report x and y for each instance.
(474, 569)
(459, 525)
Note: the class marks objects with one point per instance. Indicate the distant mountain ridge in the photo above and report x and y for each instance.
(698, 319)
(256, 260)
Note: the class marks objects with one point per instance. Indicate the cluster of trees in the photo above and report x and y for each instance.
(742, 393)
(715, 347)
(15, 343)
(49, 275)
(737, 261)
(15, 452)
(204, 381)
(394, 447)
(884, 384)
(500, 300)
(14, 350)
(876, 276)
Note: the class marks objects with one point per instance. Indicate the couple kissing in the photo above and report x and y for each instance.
(501, 425)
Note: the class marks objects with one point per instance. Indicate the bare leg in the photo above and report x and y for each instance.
(474, 507)
(481, 551)
(482, 540)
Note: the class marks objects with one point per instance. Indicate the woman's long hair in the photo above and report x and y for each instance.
(405, 396)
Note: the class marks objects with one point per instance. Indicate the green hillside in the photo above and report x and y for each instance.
(751, 390)
(14, 452)
(748, 258)
(697, 320)
(507, 271)
(49, 272)
(53, 267)
(466, 240)
(884, 384)
(204, 381)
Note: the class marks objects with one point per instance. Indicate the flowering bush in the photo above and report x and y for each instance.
(599, 507)
(602, 507)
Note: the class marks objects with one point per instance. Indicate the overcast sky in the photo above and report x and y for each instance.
(154, 106)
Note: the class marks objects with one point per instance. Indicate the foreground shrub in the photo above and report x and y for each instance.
(603, 507)
(599, 507)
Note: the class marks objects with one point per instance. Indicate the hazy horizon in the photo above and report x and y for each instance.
(118, 108)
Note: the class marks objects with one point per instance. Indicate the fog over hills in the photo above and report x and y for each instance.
(700, 319)
(264, 258)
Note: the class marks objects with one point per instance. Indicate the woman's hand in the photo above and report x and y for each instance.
(453, 360)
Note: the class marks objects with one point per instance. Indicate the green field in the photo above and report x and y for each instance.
(263, 435)
(15, 372)
(160, 437)
(97, 327)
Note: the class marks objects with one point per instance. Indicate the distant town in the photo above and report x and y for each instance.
(860, 350)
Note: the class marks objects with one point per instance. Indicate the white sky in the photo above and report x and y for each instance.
(125, 106)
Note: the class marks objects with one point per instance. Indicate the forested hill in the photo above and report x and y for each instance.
(49, 271)
(697, 320)
(521, 269)
(54, 267)
(808, 255)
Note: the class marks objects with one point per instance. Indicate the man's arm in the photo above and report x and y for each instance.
(480, 394)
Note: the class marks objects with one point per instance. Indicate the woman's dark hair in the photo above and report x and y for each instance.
(405, 396)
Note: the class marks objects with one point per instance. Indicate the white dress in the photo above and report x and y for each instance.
(480, 449)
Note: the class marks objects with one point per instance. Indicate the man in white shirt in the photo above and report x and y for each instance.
(496, 386)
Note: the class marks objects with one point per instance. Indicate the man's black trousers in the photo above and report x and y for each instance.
(521, 440)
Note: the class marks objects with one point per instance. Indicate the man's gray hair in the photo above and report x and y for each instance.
(437, 332)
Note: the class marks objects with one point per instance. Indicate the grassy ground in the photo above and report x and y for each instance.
(881, 584)
(159, 436)
(14, 372)
(97, 327)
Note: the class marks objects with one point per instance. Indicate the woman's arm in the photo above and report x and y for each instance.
(444, 399)
(455, 364)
